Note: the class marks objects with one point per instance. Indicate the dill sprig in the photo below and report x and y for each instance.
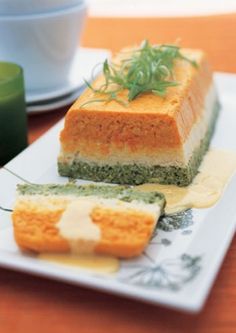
(148, 68)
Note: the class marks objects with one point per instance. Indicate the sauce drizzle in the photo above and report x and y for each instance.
(207, 187)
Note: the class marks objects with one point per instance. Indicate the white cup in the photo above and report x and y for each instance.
(22, 7)
(44, 44)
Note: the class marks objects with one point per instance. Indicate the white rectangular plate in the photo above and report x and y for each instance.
(178, 267)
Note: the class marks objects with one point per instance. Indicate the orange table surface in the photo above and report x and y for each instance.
(33, 304)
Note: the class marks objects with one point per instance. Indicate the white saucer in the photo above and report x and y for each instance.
(54, 103)
(85, 60)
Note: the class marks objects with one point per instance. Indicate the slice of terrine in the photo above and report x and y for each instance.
(113, 220)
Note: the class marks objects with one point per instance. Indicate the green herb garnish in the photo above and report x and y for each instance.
(146, 69)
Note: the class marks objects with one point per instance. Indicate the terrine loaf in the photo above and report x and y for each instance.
(103, 219)
(159, 136)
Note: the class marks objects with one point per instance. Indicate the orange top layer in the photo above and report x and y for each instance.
(148, 121)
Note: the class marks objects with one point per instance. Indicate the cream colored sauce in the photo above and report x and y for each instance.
(96, 263)
(207, 187)
(77, 227)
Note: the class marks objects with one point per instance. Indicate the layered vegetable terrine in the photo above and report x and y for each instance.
(156, 137)
(114, 220)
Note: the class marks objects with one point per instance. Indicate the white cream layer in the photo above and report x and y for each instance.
(55, 202)
(174, 157)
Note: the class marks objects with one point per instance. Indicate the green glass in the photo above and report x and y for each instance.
(13, 119)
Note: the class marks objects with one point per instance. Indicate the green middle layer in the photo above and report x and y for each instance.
(135, 174)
